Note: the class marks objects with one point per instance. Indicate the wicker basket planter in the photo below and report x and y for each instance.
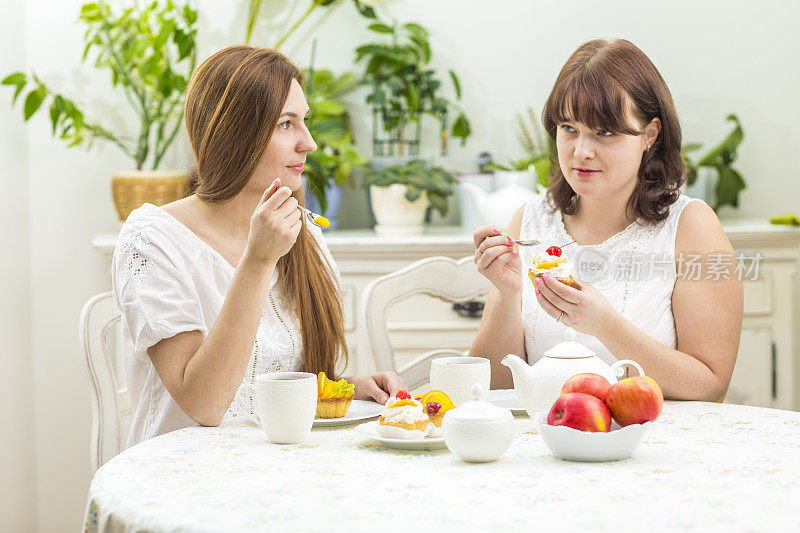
(132, 188)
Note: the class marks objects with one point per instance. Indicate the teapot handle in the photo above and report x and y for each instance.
(619, 371)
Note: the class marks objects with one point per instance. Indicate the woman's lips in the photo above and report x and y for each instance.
(585, 172)
(298, 168)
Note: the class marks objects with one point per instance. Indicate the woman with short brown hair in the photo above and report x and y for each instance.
(231, 282)
(615, 211)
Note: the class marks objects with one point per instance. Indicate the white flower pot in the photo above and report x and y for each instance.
(396, 215)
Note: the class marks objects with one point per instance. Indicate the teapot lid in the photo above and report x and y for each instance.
(478, 409)
(570, 349)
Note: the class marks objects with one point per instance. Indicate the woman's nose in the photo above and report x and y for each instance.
(584, 148)
(307, 143)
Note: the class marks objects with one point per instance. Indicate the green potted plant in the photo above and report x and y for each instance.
(332, 165)
(150, 53)
(403, 89)
(717, 163)
(401, 195)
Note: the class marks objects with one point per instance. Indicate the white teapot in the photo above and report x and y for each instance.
(539, 385)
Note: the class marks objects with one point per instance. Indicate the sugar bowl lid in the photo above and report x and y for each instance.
(570, 348)
(477, 409)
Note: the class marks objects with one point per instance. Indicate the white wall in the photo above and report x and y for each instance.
(717, 57)
(17, 485)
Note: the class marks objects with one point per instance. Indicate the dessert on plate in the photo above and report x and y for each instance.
(404, 418)
(436, 404)
(333, 397)
(551, 263)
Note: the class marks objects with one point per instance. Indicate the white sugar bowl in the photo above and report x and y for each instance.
(477, 431)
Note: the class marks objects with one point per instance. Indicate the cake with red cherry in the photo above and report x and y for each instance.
(403, 418)
(551, 262)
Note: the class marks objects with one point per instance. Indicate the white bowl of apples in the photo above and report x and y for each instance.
(595, 421)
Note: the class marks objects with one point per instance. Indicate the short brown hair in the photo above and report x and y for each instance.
(600, 80)
(232, 106)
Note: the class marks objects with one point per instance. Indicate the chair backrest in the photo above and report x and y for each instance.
(100, 334)
(439, 277)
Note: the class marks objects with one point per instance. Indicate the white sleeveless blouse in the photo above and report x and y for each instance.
(635, 269)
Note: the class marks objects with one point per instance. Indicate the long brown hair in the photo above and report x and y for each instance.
(233, 103)
(600, 80)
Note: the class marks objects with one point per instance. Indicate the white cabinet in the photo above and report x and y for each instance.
(767, 371)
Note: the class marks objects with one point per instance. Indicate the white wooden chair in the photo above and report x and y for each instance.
(111, 406)
(439, 277)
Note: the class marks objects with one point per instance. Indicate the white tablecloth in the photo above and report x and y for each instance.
(701, 466)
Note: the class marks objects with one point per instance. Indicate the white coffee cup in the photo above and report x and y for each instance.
(455, 376)
(286, 403)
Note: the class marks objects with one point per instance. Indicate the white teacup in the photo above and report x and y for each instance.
(455, 376)
(286, 403)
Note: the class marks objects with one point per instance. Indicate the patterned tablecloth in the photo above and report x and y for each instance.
(701, 466)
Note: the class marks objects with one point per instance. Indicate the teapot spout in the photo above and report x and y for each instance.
(519, 369)
(522, 374)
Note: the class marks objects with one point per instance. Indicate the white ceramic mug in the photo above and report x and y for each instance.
(286, 403)
(455, 376)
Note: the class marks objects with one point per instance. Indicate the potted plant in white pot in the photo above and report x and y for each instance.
(150, 53)
(401, 195)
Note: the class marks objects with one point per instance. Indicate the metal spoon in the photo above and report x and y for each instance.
(317, 220)
(528, 242)
(524, 242)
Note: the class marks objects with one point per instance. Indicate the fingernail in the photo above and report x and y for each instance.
(510, 241)
(516, 252)
(495, 229)
(544, 277)
(537, 292)
(384, 398)
(536, 281)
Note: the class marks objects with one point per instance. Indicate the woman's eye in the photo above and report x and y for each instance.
(567, 128)
(285, 125)
(605, 133)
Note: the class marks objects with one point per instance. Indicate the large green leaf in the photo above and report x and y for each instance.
(729, 185)
(379, 27)
(456, 84)
(461, 128)
(365, 9)
(16, 78)
(32, 103)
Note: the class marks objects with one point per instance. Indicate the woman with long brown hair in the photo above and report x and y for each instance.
(231, 282)
(615, 211)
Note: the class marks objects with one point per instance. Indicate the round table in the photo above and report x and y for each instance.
(701, 466)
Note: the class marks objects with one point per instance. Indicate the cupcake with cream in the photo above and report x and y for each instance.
(404, 418)
(551, 263)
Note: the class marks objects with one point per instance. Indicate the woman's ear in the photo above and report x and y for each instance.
(651, 131)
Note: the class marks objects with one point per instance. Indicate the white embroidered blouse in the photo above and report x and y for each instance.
(167, 281)
(635, 269)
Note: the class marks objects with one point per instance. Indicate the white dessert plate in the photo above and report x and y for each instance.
(507, 399)
(358, 410)
(370, 429)
(574, 445)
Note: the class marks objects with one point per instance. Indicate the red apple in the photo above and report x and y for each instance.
(580, 411)
(635, 400)
(588, 383)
